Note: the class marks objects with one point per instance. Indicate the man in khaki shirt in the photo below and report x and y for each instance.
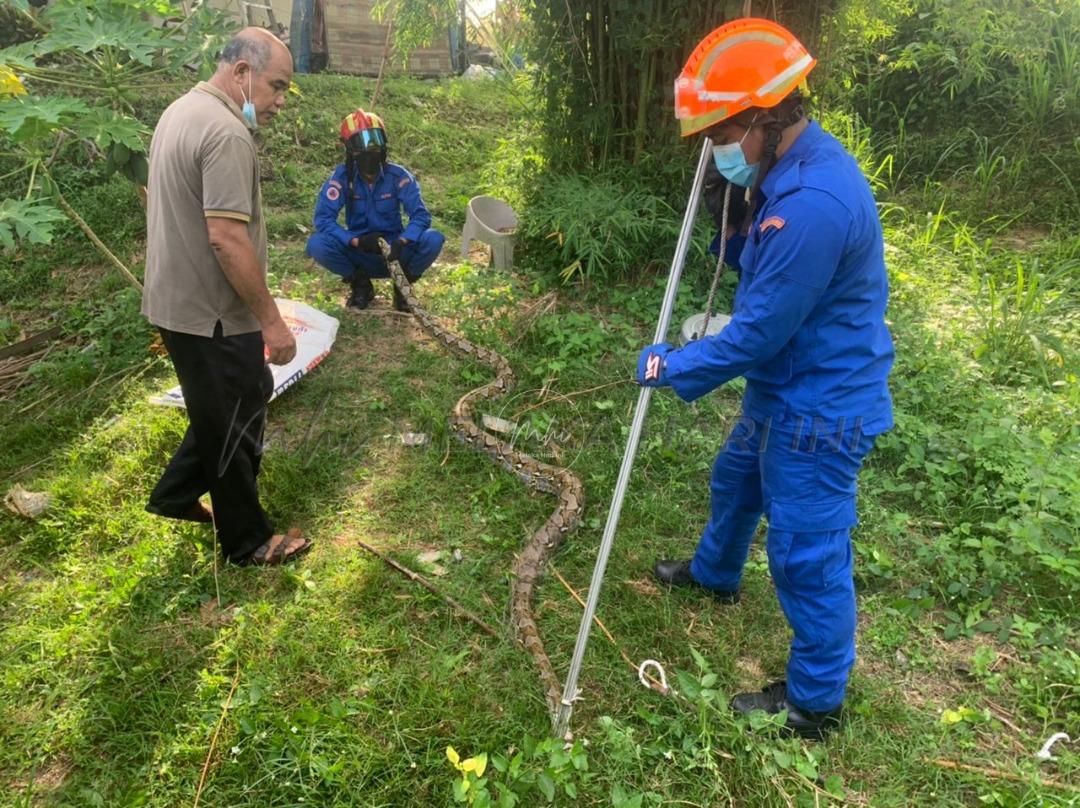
(206, 292)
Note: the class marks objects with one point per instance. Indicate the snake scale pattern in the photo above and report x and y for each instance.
(555, 480)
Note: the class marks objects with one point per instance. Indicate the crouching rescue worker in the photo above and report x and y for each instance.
(373, 193)
(808, 334)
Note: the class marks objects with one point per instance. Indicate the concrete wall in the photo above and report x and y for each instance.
(355, 40)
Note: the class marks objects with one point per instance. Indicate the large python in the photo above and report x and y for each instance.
(556, 480)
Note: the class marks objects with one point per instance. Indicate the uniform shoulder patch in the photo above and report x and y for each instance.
(335, 183)
(404, 181)
(332, 192)
(773, 222)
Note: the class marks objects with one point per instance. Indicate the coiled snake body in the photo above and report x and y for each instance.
(556, 480)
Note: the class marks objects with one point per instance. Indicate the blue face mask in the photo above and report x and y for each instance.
(248, 110)
(731, 162)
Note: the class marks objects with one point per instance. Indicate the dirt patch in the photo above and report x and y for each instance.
(47, 779)
(1024, 238)
(751, 674)
(948, 681)
(644, 586)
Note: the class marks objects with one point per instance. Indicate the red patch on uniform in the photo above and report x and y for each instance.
(772, 221)
(332, 193)
(335, 183)
(404, 181)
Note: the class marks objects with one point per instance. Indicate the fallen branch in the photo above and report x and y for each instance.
(408, 573)
(1002, 775)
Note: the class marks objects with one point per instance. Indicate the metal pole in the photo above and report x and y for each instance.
(566, 706)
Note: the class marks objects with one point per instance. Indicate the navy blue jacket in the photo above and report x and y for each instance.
(808, 329)
(375, 209)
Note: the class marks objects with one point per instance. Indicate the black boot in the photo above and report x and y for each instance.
(773, 698)
(677, 573)
(400, 304)
(362, 291)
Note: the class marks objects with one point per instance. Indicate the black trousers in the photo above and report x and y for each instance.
(226, 385)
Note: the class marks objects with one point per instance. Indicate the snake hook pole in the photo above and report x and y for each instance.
(570, 691)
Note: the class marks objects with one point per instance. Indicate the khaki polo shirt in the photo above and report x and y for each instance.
(202, 163)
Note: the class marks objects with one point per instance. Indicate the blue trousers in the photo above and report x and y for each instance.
(416, 256)
(803, 481)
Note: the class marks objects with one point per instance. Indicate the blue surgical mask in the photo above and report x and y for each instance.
(248, 110)
(731, 162)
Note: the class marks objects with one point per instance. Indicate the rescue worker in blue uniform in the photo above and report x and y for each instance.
(373, 193)
(808, 334)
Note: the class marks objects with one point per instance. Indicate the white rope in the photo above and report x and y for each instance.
(652, 663)
(1044, 753)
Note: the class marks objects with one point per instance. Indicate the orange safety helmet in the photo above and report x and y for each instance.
(359, 123)
(747, 62)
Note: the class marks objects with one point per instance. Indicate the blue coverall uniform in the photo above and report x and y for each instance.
(808, 333)
(375, 209)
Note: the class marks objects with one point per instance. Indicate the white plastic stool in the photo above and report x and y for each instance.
(493, 222)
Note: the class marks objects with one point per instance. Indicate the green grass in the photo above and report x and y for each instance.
(351, 681)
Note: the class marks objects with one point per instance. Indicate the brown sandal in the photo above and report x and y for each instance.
(276, 552)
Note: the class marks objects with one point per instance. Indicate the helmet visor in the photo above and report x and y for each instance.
(367, 138)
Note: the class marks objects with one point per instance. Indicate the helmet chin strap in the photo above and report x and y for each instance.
(791, 110)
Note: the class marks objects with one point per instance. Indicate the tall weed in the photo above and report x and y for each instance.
(1022, 316)
(598, 228)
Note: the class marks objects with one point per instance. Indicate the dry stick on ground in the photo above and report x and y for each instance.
(213, 740)
(13, 372)
(997, 773)
(570, 395)
(654, 684)
(408, 573)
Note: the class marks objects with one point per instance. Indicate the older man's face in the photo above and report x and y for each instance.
(268, 87)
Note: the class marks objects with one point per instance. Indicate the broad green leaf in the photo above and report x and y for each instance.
(27, 219)
(29, 117)
(106, 127)
(114, 26)
(547, 786)
(19, 57)
(461, 790)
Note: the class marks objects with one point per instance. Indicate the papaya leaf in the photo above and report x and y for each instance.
(26, 118)
(27, 219)
(75, 26)
(106, 127)
(19, 57)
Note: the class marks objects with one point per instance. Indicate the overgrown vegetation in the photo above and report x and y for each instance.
(338, 682)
